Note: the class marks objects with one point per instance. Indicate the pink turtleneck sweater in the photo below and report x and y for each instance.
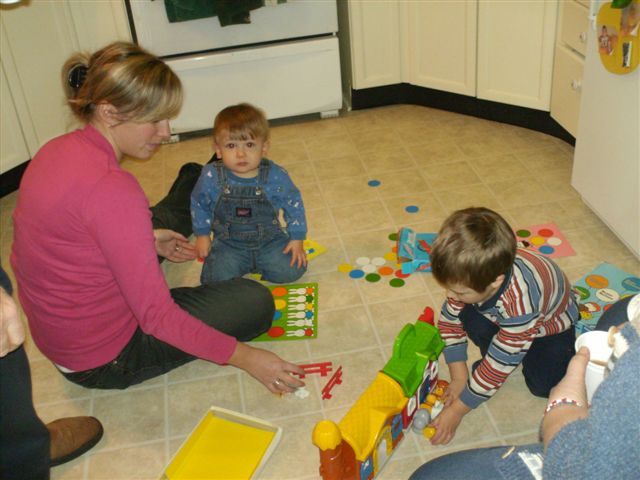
(85, 260)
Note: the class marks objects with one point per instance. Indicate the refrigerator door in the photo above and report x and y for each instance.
(606, 167)
(293, 19)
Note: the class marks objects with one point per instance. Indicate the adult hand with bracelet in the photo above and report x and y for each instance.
(568, 399)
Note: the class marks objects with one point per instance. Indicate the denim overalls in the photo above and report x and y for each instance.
(248, 237)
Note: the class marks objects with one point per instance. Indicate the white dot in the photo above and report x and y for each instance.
(363, 261)
(554, 241)
(369, 268)
(378, 261)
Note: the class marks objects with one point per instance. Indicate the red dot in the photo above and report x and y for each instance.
(275, 332)
(308, 332)
(399, 274)
(545, 232)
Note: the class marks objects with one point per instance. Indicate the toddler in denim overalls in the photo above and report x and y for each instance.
(239, 196)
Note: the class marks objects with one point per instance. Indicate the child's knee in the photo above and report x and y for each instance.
(284, 275)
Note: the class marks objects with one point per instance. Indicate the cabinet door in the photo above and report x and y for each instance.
(442, 45)
(99, 23)
(13, 149)
(375, 43)
(567, 84)
(515, 51)
(39, 38)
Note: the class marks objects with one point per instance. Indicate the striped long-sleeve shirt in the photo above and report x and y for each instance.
(536, 301)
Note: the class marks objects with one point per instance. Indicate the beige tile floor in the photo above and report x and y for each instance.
(436, 160)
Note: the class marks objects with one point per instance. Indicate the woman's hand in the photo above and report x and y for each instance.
(11, 328)
(571, 386)
(268, 368)
(173, 246)
(298, 255)
(573, 383)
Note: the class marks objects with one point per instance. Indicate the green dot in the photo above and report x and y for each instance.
(397, 282)
(309, 298)
(583, 292)
(372, 277)
(523, 233)
(393, 236)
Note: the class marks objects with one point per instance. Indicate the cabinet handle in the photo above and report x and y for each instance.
(576, 85)
(583, 37)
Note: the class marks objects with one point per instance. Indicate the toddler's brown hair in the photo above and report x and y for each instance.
(243, 122)
(474, 246)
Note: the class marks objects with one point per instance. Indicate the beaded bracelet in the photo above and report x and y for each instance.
(561, 401)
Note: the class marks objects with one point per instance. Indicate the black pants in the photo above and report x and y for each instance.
(545, 363)
(615, 315)
(24, 439)
(239, 307)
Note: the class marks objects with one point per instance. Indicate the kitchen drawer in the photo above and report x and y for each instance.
(567, 83)
(575, 24)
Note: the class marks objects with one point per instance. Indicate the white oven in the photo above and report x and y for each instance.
(285, 61)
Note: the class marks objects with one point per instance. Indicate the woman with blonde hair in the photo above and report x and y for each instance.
(86, 243)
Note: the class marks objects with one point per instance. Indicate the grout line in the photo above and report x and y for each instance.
(243, 403)
(492, 420)
(167, 430)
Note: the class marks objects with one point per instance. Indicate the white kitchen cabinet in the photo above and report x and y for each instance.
(568, 67)
(374, 28)
(515, 52)
(442, 45)
(37, 37)
(495, 50)
(13, 149)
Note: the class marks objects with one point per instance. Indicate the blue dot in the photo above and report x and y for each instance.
(277, 315)
(546, 249)
(310, 251)
(411, 209)
(356, 273)
(374, 183)
(308, 314)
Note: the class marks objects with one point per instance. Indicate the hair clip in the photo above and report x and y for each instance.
(77, 76)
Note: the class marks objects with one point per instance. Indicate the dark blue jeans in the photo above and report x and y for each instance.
(545, 363)
(241, 308)
(231, 259)
(492, 463)
(24, 439)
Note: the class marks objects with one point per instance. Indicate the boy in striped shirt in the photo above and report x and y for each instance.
(516, 306)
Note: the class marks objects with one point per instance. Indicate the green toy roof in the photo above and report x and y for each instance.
(414, 347)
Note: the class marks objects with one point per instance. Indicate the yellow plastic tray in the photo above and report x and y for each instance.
(225, 445)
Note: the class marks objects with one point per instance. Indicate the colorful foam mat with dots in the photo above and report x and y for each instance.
(598, 290)
(296, 316)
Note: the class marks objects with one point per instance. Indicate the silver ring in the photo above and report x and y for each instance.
(178, 248)
(277, 382)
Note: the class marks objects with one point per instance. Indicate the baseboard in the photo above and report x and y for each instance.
(499, 112)
(10, 180)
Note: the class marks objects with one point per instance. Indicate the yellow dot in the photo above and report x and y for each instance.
(280, 303)
(538, 241)
(345, 268)
(390, 256)
(309, 306)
